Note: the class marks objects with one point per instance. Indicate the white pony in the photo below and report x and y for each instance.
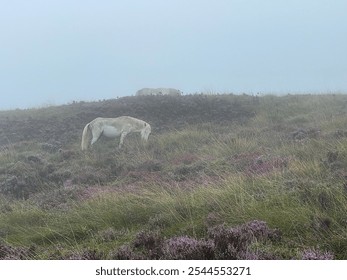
(158, 91)
(113, 127)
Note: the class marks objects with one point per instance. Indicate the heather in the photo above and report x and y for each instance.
(222, 177)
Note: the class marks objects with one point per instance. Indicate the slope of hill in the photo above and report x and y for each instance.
(64, 123)
(222, 177)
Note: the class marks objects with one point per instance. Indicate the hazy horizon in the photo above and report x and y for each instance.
(56, 52)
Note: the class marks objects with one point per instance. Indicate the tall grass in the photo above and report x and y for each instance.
(185, 181)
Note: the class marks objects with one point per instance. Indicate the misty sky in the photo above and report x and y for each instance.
(53, 52)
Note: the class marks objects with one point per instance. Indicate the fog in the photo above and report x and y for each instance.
(55, 52)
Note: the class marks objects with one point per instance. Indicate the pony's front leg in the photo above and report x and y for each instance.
(122, 136)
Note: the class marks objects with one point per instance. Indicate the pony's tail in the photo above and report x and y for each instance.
(86, 134)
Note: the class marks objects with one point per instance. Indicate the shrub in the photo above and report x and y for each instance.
(187, 248)
(221, 243)
(150, 243)
(8, 252)
(86, 254)
(126, 253)
(314, 254)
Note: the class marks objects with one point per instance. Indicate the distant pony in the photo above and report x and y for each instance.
(113, 127)
(158, 91)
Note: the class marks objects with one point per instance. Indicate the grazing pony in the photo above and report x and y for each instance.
(113, 127)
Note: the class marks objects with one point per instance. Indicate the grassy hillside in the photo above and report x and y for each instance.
(222, 177)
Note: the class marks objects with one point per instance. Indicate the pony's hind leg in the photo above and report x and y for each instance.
(96, 136)
(94, 139)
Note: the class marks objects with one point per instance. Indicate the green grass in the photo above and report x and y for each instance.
(174, 184)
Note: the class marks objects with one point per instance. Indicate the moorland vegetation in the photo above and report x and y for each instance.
(222, 176)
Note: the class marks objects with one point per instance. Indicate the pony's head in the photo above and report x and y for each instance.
(145, 131)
